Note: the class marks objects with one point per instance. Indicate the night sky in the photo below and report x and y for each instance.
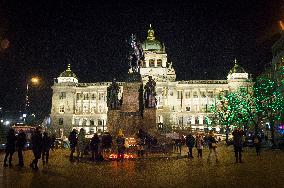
(202, 39)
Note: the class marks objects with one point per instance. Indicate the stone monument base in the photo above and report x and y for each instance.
(149, 119)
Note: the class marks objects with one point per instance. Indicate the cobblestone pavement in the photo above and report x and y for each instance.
(153, 171)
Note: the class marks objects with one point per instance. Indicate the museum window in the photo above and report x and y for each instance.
(101, 96)
(92, 131)
(179, 94)
(60, 121)
(62, 95)
(100, 122)
(180, 121)
(195, 108)
(159, 63)
(187, 94)
(210, 94)
(84, 122)
(92, 122)
(79, 96)
(86, 96)
(187, 108)
(85, 108)
(203, 95)
(151, 63)
(195, 95)
(93, 96)
(61, 108)
(196, 120)
(77, 121)
(93, 109)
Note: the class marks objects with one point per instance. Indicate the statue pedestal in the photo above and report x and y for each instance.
(149, 119)
(113, 121)
(131, 117)
(132, 97)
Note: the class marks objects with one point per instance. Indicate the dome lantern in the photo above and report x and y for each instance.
(67, 76)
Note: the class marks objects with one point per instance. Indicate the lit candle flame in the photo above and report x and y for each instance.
(281, 25)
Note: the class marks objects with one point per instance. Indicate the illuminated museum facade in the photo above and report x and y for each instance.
(180, 104)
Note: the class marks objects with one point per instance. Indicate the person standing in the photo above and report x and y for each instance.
(52, 138)
(94, 146)
(21, 141)
(46, 144)
(120, 141)
(36, 147)
(141, 139)
(106, 144)
(73, 143)
(81, 143)
(257, 144)
(199, 145)
(190, 141)
(238, 143)
(10, 147)
(212, 144)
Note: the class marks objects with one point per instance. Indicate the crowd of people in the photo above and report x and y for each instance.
(41, 144)
(102, 145)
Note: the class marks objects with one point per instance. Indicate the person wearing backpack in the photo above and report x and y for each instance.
(190, 141)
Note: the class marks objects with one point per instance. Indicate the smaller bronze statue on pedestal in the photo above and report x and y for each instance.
(113, 102)
(150, 93)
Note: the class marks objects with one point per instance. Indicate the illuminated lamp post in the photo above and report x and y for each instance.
(33, 81)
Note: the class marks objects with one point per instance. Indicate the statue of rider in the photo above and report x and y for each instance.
(150, 93)
(112, 95)
(136, 55)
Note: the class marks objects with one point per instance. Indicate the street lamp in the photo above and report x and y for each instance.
(33, 81)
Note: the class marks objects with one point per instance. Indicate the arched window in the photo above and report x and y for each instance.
(92, 122)
(100, 122)
(195, 95)
(60, 121)
(151, 63)
(61, 108)
(159, 63)
(84, 122)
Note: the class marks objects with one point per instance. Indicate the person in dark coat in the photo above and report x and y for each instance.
(52, 138)
(10, 147)
(106, 144)
(190, 141)
(73, 143)
(238, 143)
(94, 146)
(120, 141)
(257, 144)
(36, 147)
(21, 141)
(46, 144)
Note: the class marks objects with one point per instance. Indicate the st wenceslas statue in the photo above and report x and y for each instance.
(136, 55)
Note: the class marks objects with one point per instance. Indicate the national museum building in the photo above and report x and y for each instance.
(180, 104)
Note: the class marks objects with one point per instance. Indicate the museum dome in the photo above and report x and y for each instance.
(151, 43)
(68, 73)
(237, 68)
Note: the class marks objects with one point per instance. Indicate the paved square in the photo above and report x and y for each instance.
(153, 171)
